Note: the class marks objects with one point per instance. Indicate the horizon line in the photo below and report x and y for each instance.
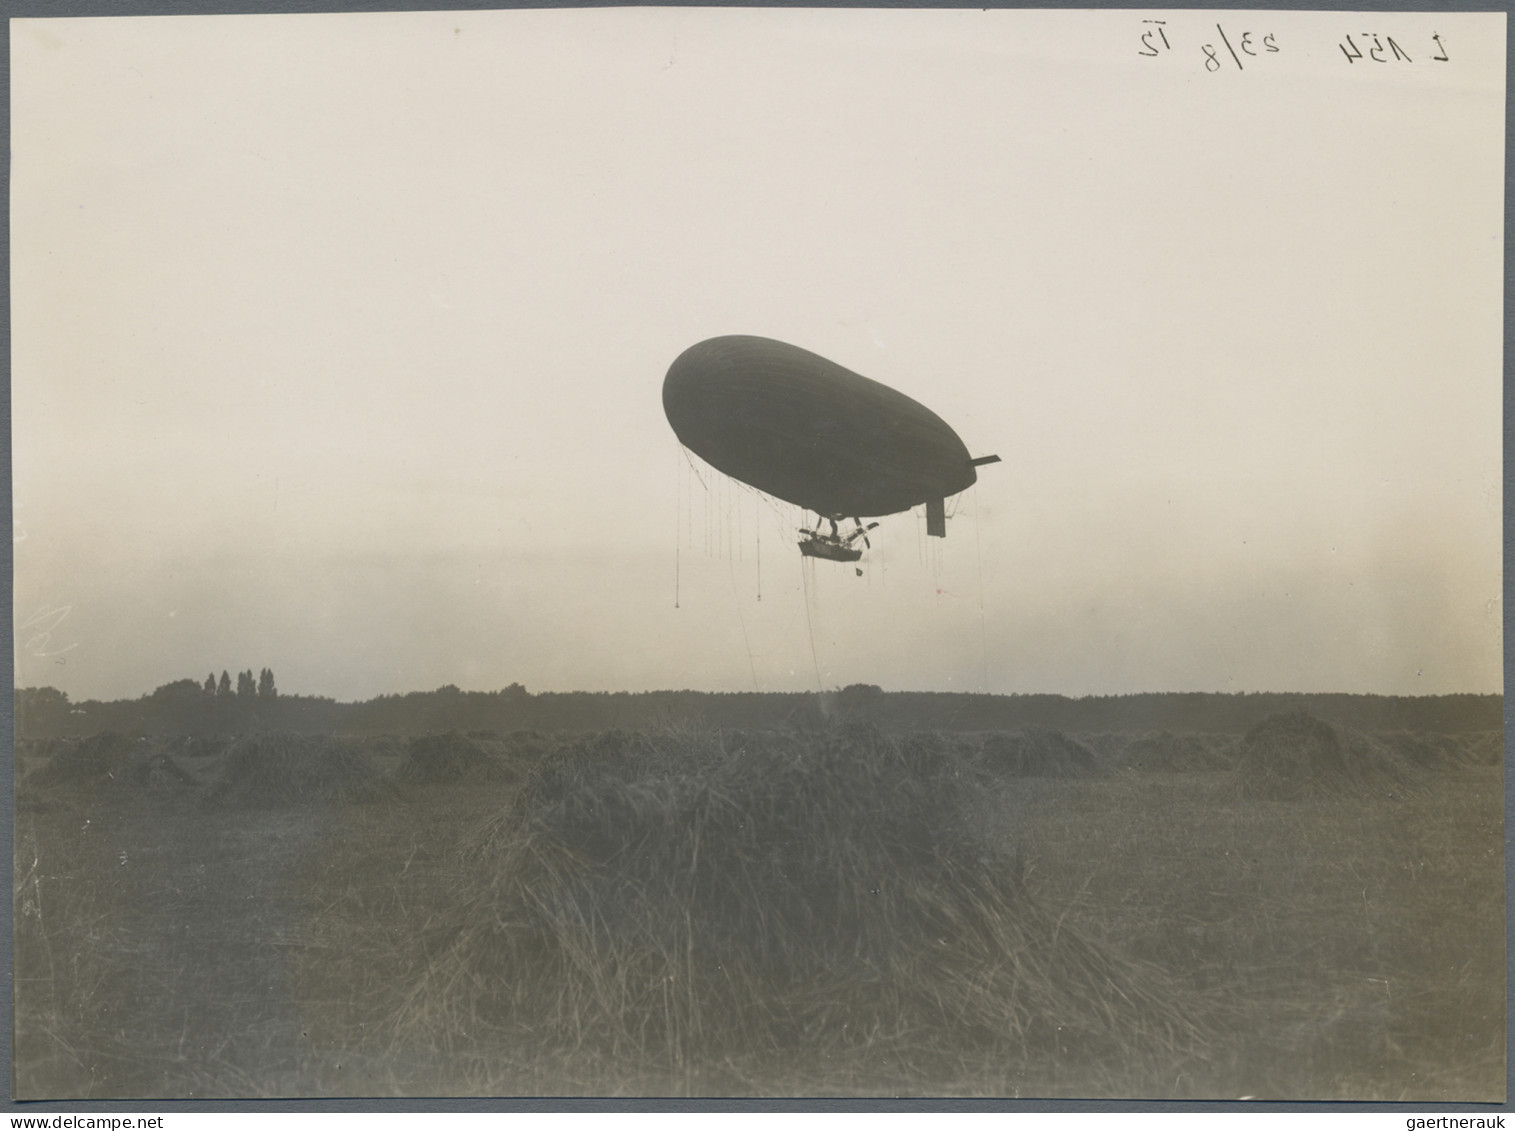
(454, 689)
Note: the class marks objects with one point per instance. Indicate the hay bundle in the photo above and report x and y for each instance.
(1167, 753)
(1482, 748)
(96, 760)
(1425, 751)
(28, 754)
(273, 769)
(31, 754)
(382, 746)
(1037, 753)
(615, 754)
(160, 773)
(770, 899)
(203, 745)
(39, 749)
(108, 761)
(524, 748)
(1476, 748)
(931, 753)
(1296, 755)
(626, 747)
(1106, 746)
(509, 757)
(436, 759)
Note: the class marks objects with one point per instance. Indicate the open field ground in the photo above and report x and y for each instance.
(1301, 912)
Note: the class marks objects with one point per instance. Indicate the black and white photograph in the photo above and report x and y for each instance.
(762, 552)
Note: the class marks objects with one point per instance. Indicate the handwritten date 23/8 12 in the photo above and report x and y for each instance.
(1247, 44)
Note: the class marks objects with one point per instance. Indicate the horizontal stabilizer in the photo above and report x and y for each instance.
(983, 460)
(936, 518)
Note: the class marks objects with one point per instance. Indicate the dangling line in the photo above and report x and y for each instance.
(678, 514)
(810, 628)
(760, 551)
(978, 554)
(731, 566)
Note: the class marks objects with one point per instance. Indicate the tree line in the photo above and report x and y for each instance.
(189, 706)
(247, 688)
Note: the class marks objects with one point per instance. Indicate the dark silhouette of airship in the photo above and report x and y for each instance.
(805, 430)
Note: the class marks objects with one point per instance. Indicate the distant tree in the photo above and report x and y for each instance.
(860, 698)
(224, 687)
(266, 689)
(210, 684)
(179, 691)
(246, 686)
(40, 710)
(175, 706)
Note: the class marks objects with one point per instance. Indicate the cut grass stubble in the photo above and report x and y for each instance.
(784, 912)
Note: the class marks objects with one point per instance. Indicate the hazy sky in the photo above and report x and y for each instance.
(338, 344)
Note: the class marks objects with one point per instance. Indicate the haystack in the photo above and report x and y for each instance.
(611, 754)
(772, 899)
(1482, 748)
(1475, 748)
(202, 745)
(627, 748)
(1106, 746)
(437, 759)
(110, 760)
(525, 748)
(273, 769)
(99, 758)
(1425, 750)
(36, 750)
(1296, 755)
(1166, 753)
(160, 773)
(1037, 753)
(382, 747)
(938, 752)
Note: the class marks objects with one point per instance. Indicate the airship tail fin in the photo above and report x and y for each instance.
(983, 460)
(936, 518)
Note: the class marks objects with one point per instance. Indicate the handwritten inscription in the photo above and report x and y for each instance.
(1212, 60)
(1242, 47)
(1384, 49)
(1151, 48)
(1239, 46)
(42, 625)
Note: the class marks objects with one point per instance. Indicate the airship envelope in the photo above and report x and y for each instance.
(805, 430)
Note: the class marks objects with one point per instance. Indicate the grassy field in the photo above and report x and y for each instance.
(1298, 913)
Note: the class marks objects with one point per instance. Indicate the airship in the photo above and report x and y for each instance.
(803, 429)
